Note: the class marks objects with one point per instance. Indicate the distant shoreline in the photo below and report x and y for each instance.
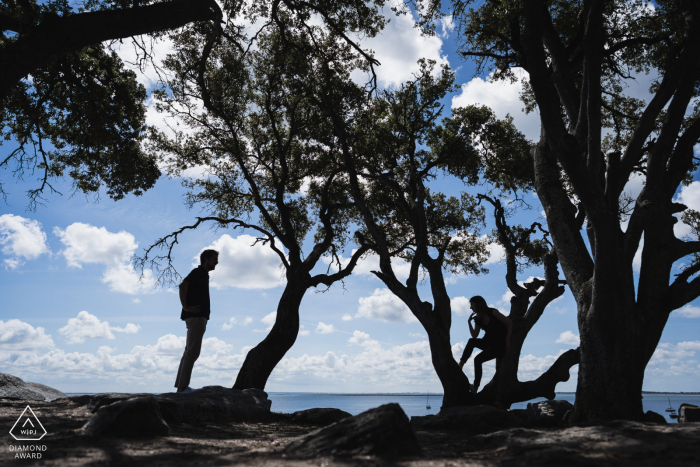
(397, 394)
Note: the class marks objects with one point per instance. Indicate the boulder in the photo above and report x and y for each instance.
(320, 416)
(138, 416)
(548, 413)
(12, 387)
(688, 413)
(210, 403)
(216, 403)
(476, 419)
(384, 431)
(100, 400)
(653, 417)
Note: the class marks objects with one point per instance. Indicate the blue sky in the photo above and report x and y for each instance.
(75, 317)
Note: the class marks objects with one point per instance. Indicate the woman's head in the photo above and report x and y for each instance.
(478, 304)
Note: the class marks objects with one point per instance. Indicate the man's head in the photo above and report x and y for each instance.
(209, 259)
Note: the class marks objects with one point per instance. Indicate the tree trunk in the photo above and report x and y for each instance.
(262, 359)
(455, 383)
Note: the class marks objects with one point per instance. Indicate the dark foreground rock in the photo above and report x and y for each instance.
(653, 417)
(262, 444)
(137, 417)
(12, 387)
(688, 413)
(320, 416)
(474, 419)
(548, 413)
(115, 412)
(384, 431)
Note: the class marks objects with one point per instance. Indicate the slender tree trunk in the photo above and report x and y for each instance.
(262, 359)
(455, 383)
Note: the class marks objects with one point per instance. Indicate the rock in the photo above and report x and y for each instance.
(383, 431)
(653, 417)
(213, 403)
(207, 404)
(688, 413)
(12, 387)
(320, 417)
(474, 419)
(100, 400)
(548, 413)
(83, 399)
(136, 417)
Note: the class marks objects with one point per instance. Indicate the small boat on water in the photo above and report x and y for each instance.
(427, 401)
(671, 409)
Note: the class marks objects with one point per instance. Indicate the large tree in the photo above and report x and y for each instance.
(67, 101)
(579, 56)
(393, 148)
(268, 153)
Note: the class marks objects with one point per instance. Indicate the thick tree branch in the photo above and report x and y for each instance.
(60, 36)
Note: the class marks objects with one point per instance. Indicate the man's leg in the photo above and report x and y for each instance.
(195, 332)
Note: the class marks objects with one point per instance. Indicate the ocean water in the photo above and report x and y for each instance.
(414, 404)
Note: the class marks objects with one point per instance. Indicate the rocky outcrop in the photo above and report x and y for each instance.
(548, 413)
(136, 417)
(384, 431)
(688, 413)
(474, 419)
(213, 403)
(320, 417)
(12, 387)
(106, 398)
(653, 417)
(117, 413)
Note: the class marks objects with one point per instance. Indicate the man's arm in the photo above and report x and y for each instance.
(183, 298)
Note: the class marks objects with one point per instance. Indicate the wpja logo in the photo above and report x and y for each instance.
(27, 428)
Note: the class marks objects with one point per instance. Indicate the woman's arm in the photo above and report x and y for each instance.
(474, 331)
(509, 324)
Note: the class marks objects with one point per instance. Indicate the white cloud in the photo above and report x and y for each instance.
(447, 25)
(383, 305)
(347, 317)
(324, 328)
(83, 326)
(688, 311)
(244, 266)
(568, 338)
(417, 334)
(358, 338)
(460, 306)
(497, 253)
(228, 326)
(503, 98)
(21, 238)
(399, 46)
(269, 320)
(86, 244)
(304, 332)
(86, 325)
(136, 301)
(130, 328)
(690, 196)
(247, 321)
(18, 335)
(671, 360)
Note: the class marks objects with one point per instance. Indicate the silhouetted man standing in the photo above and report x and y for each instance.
(194, 296)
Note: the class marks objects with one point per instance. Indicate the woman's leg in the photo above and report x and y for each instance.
(471, 344)
(488, 354)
